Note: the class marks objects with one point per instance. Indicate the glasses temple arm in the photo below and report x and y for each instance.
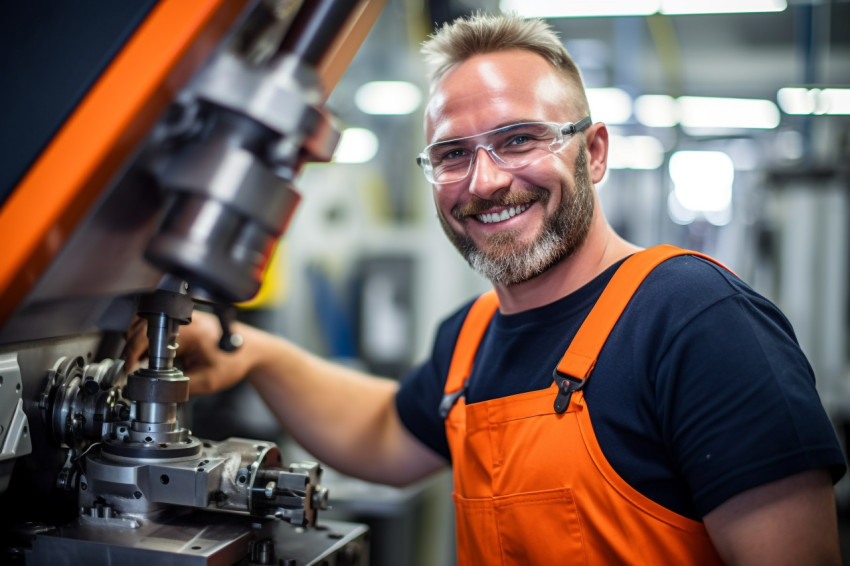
(577, 127)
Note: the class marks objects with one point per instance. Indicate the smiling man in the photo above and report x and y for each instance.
(603, 404)
(518, 215)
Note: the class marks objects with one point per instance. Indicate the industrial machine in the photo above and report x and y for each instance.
(155, 173)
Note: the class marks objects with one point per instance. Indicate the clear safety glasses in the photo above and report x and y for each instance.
(510, 147)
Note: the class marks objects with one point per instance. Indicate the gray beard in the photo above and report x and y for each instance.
(508, 263)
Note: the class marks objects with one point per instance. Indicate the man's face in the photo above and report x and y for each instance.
(511, 224)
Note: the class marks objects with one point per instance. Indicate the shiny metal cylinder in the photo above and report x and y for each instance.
(155, 413)
(162, 340)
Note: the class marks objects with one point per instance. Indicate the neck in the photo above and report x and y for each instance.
(601, 249)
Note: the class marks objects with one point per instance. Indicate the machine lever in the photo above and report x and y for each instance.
(226, 314)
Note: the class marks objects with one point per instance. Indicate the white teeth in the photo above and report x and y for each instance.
(491, 217)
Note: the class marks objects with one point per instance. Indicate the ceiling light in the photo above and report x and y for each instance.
(593, 8)
(388, 97)
(814, 101)
(677, 212)
(722, 113)
(670, 7)
(662, 111)
(356, 145)
(657, 110)
(702, 179)
(580, 8)
(834, 101)
(797, 100)
(609, 105)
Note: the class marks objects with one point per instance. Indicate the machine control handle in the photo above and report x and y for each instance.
(229, 341)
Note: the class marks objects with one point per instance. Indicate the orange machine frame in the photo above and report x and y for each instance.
(96, 140)
(51, 199)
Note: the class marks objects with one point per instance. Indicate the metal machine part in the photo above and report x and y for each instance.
(234, 475)
(131, 459)
(236, 138)
(136, 471)
(160, 495)
(14, 426)
(202, 538)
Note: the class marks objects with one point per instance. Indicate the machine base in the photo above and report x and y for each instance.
(200, 538)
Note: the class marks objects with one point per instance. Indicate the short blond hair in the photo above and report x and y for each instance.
(480, 33)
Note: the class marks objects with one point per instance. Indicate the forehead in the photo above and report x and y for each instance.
(495, 89)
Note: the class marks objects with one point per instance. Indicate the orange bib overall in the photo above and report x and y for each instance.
(531, 484)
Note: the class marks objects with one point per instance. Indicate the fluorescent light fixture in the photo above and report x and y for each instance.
(670, 7)
(702, 187)
(722, 113)
(356, 145)
(803, 101)
(702, 180)
(579, 8)
(834, 101)
(797, 100)
(609, 105)
(677, 212)
(661, 111)
(388, 98)
(657, 110)
(597, 8)
(635, 152)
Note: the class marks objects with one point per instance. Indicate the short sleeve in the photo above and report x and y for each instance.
(737, 402)
(421, 390)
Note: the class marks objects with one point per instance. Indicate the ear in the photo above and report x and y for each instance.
(597, 150)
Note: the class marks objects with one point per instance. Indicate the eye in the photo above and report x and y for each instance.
(519, 142)
(450, 154)
(519, 139)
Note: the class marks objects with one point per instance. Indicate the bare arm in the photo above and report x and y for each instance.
(787, 522)
(345, 418)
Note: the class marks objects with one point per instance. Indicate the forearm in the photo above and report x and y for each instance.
(346, 418)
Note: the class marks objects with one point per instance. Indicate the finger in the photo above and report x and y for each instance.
(137, 341)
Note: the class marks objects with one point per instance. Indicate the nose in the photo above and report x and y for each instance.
(487, 178)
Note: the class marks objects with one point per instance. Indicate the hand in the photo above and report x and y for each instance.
(208, 368)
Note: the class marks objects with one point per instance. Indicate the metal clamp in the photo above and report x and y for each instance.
(567, 385)
(448, 401)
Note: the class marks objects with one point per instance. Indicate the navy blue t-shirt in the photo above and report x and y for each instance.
(700, 392)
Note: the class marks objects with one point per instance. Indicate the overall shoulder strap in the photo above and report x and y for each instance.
(471, 332)
(574, 368)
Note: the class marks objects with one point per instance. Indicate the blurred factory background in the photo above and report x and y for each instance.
(731, 136)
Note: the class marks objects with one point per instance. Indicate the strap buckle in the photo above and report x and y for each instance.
(567, 385)
(449, 399)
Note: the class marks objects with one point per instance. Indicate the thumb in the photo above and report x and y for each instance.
(136, 345)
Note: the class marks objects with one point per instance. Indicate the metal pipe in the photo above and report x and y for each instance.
(162, 341)
(316, 27)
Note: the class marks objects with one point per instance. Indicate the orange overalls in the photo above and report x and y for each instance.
(531, 484)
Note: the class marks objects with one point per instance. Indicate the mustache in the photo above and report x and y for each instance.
(478, 205)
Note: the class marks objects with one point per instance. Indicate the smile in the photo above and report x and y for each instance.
(506, 214)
